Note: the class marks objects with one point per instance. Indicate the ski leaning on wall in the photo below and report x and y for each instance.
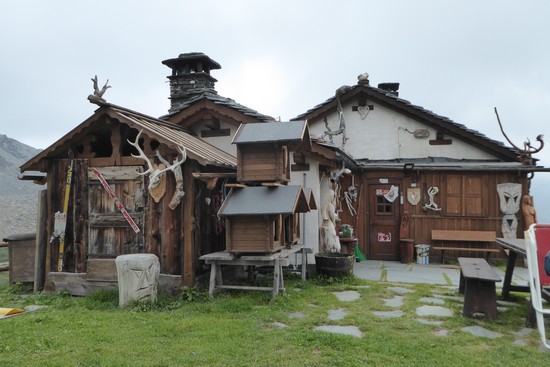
(118, 204)
(60, 224)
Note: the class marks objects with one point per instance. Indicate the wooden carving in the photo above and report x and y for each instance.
(97, 97)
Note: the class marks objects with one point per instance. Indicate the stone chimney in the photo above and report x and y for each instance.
(391, 88)
(190, 77)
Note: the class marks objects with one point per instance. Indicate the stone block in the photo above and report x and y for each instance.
(138, 276)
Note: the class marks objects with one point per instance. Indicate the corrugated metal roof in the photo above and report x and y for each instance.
(271, 132)
(261, 200)
(169, 133)
(447, 164)
(163, 131)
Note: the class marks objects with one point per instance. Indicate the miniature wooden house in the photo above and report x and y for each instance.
(262, 219)
(265, 218)
(263, 150)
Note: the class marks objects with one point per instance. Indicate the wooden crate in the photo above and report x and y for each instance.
(21, 255)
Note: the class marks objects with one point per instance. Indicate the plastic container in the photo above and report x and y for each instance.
(422, 254)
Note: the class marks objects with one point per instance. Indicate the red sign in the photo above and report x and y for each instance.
(384, 237)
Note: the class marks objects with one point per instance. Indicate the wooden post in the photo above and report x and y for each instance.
(188, 259)
(169, 227)
(41, 243)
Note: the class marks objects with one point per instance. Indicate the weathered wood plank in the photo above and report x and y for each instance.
(103, 270)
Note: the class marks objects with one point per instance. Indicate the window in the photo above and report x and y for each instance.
(464, 195)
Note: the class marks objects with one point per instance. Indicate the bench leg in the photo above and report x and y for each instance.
(480, 296)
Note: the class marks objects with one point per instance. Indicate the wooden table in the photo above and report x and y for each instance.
(276, 260)
(516, 246)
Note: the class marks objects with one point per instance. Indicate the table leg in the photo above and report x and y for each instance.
(276, 277)
(512, 256)
(213, 276)
(304, 264)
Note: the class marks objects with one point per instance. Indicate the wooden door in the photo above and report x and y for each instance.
(384, 222)
(110, 234)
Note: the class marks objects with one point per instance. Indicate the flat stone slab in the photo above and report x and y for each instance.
(452, 298)
(440, 332)
(435, 301)
(396, 301)
(400, 290)
(337, 314)
(297, 315)
(434, 311)
(279, 324)
(337, 329)
(429, 322)
(481, 332)
(388, 314)
(347, 296)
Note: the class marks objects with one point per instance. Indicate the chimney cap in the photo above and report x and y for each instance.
(192, 57)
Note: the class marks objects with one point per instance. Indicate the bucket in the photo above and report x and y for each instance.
(422, 254)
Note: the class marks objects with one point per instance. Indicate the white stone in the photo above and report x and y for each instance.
(138, 276)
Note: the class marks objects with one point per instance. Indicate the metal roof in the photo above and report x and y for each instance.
(271, 132)
(173, 135)
(447, 164)
(264, 200)
(163, 131)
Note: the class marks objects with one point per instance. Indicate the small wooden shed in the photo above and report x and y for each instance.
(174, 220)
(263, 150)
(262, 219)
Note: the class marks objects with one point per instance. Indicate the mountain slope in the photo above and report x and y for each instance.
(18, 199)
(12, 155)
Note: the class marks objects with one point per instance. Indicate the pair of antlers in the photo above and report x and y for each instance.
(151, 170)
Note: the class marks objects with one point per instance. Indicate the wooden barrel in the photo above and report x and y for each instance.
(334, 264)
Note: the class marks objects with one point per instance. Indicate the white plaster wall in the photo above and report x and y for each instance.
(221, 142)
(309, 221)
(383, 135)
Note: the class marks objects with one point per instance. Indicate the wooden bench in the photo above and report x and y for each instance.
(442, 236)
(477, 283)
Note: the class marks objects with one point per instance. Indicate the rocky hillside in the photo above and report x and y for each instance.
(18, 199)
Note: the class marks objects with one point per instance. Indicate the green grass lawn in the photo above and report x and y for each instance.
(237, 329)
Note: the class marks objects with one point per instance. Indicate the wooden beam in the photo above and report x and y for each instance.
(188, 266)
(41, 242)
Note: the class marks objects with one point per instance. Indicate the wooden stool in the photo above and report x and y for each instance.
(477, 283)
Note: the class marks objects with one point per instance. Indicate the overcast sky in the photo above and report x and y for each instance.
(459, 59)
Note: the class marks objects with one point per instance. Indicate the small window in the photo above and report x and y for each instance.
(464, 195)
(383, 206)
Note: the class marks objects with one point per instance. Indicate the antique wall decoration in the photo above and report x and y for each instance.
(525, 154)
(432, 191)
(509, 194)
(413, 195)
(392, 194)
(156, 177)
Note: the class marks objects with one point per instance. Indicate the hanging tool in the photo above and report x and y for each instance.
(60, 224)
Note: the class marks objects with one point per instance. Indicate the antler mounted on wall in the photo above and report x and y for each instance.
(525, 154)
(156, 173)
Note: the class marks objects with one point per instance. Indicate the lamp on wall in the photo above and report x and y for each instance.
(408, 167)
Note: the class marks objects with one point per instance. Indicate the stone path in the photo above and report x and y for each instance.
(432, 312)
